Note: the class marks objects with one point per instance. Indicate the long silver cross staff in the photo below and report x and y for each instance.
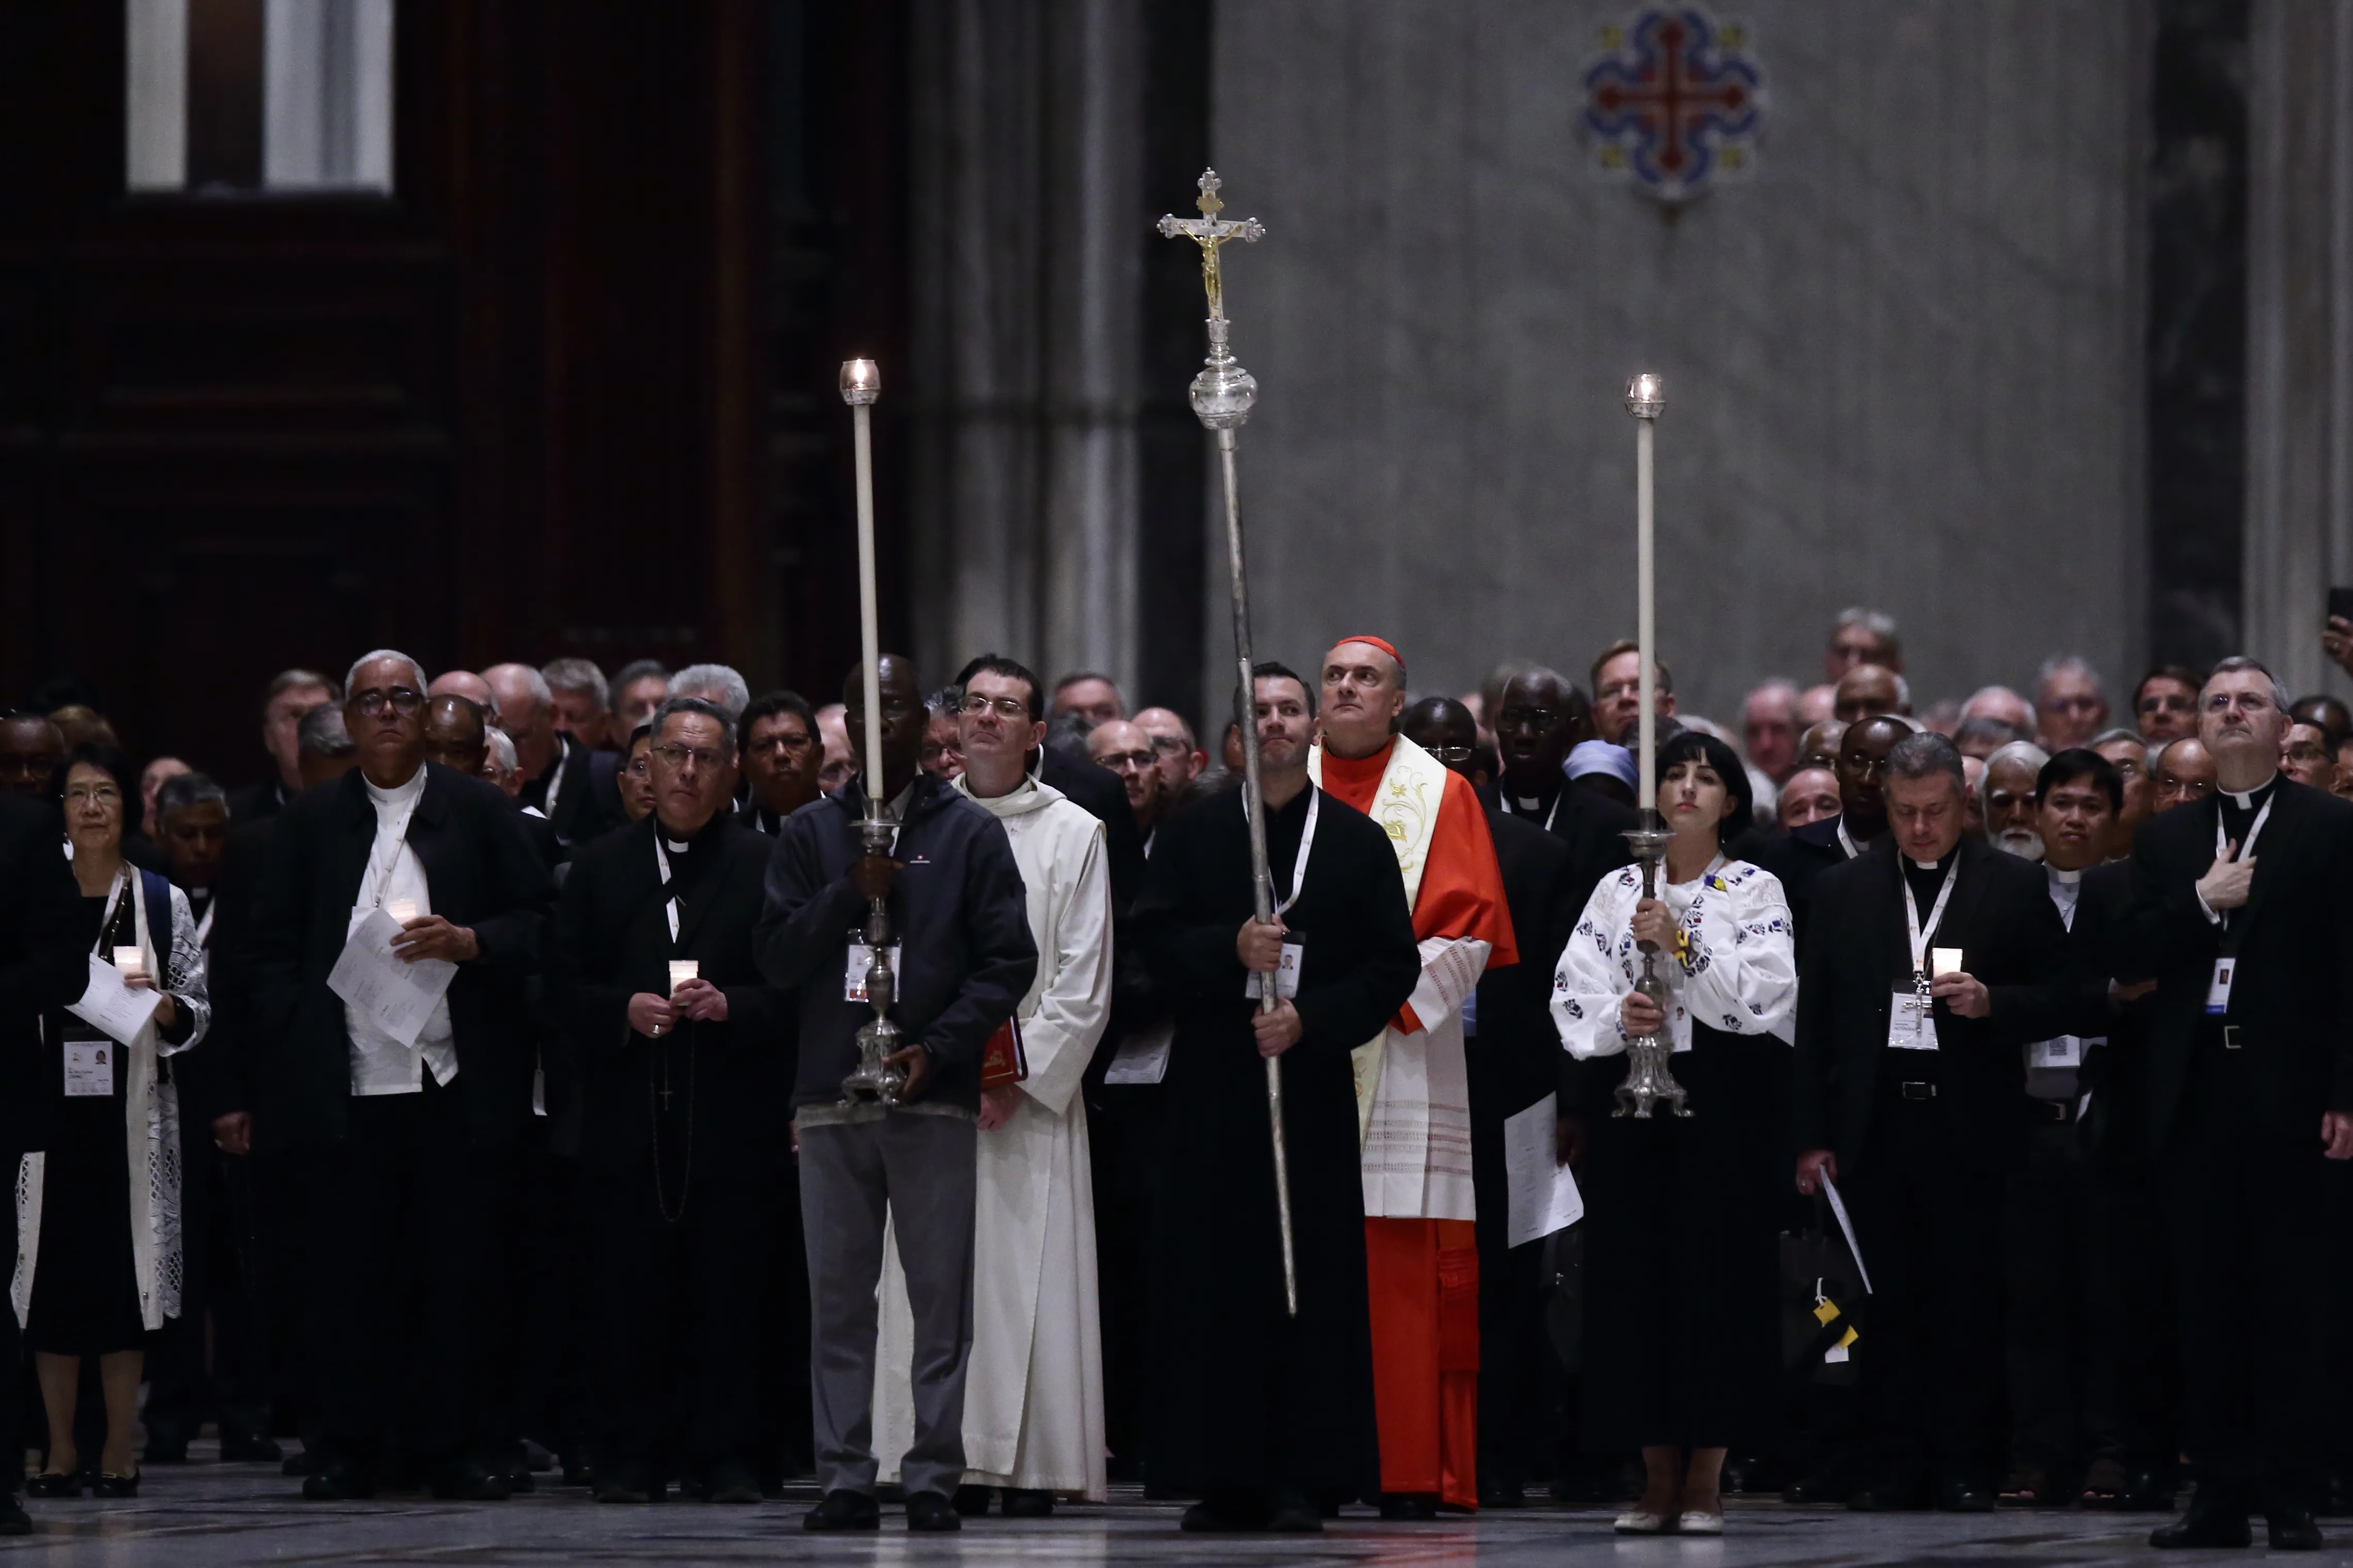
(1222, 397)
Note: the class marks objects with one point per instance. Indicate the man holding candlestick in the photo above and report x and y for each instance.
(685, 1051)
(1412, 1086)
(960, 920)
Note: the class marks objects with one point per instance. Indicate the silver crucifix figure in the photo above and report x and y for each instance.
(1222, 397)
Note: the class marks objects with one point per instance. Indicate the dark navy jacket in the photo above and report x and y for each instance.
(958, 913)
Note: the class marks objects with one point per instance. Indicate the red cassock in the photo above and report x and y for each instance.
(1423, 1274)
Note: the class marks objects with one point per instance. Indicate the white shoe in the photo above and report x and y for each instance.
(1638, 1523)
(1696, 1523)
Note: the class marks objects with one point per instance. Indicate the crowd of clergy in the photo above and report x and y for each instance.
(467, 1098)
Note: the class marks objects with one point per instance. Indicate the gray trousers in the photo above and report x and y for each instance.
(919, 1170)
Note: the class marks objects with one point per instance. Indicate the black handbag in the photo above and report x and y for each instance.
(1824, 1306)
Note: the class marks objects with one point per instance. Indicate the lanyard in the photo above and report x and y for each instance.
(661, 859)
(113, 902)
(2222, 845)
(1306, 842)
(205, 926)
(1848, 844)
(556, 779)
(1936, 913)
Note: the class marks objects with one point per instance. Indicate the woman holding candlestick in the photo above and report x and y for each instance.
(100, 1255)
(1680, 1261)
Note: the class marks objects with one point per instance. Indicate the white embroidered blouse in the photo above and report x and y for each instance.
(1733, 966)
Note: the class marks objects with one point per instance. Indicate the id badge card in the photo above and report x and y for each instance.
(89, 1068)
(1286, 974)
(1911, 1024)
(2218, 990)
(2066, 1051)
(861, 959)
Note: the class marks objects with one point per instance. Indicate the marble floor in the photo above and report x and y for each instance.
(203, 1514)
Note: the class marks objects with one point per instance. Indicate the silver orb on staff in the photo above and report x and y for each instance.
(1221, 396)
(875, 1077)
(1649, 1078)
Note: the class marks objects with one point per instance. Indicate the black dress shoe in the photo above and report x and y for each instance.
(1024, 1502)
(2211, 1520)
(1892, 1494)
(930, 1511)
(842, 1509)
(467, 1481)
(14, 1520)
(628, 1483)
(1226, 1516)
(730, 1483)
(128, 1486)
(1292, 1513)
(971, 1500)
(334, 1482)
(247, 1448)
(2292, 1529)
(301, 1462)
(50, 1484)
(1959, 1494)
(1410, 1507)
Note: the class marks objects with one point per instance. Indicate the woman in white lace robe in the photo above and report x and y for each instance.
(1681, 1265)
(98, 1208)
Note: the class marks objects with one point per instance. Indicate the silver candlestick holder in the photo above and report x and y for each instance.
(877, 1079)
(1648, 1077)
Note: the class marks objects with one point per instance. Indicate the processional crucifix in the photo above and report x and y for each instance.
(1221, 396)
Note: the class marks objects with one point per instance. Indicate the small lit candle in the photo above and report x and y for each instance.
(131, 962)
(1944, 961)
(402, 910)
(682, 970)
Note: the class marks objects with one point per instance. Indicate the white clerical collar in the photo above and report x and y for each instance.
(2065, 878)
(2246, 798)
(1526, 802)
(676, 847)
(399, 794)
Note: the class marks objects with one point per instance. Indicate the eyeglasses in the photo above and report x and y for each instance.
(678, 755)
(1012, 709)
(105, 794)
(1121, 762)
(1170, 745)
(1451, 755)
(401, 699)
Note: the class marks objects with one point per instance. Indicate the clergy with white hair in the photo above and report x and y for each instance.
(1033, 1406)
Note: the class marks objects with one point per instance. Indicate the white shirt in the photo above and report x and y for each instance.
(1736, 972)
(380, 1064)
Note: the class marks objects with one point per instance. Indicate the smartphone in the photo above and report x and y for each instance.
(2340, 602)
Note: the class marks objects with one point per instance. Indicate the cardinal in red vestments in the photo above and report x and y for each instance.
(1413, 1097)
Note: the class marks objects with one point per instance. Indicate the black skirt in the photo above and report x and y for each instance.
(85, 1284)
(1682, 1255)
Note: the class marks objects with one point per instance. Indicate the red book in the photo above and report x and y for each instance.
(1002, 1060)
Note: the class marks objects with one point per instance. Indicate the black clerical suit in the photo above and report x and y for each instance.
(1514, 1060)
(682, 1137)
(580, 814)
(1593, 825)
(42, 968)
(2235, 1109)
(1796, 859)
(1244, 1399)
(1923, 1137)
(403, 1185)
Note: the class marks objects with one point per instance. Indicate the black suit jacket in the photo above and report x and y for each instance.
(1100, 792)
(579, 813)
(611, 940)
(42, 967)
(1796, 859)
(2291, 994)
(484, 873)
(1515, 1059)
(2012, 938)
(255, 803)
(2115, 1071)
(223, 1080)
(1594, 828)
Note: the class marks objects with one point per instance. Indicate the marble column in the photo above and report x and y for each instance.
(1028, 230)
(2299, 529)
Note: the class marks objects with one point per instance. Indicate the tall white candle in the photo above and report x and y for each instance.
(1646, 398)
(862, 384)
(1646, 629)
